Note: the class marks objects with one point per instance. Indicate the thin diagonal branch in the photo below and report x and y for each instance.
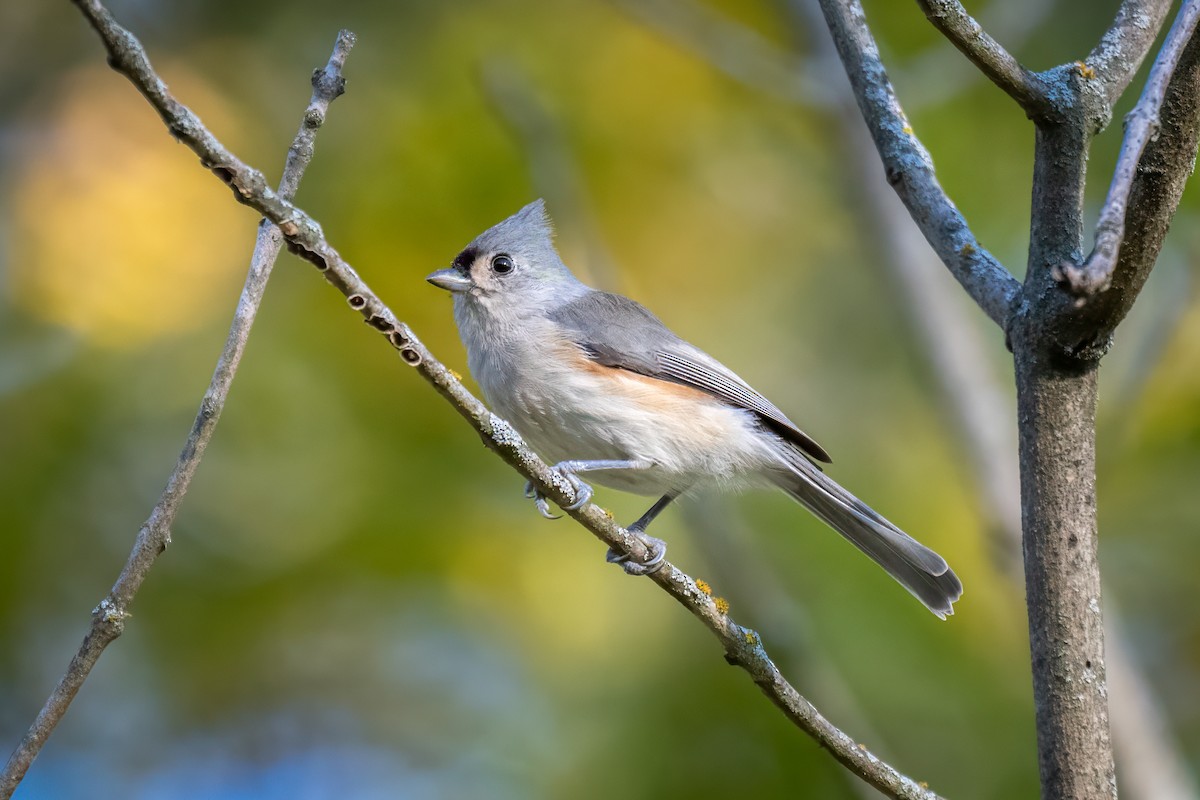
(108, 618)
(949, 17)
(909, 168)
(754, 61)
(1117, 56)
(937, 70)
(1141, 125)
(742, 646)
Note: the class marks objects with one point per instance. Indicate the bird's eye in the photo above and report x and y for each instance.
(502, 264)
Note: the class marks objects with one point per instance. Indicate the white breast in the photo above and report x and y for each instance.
(569, 408)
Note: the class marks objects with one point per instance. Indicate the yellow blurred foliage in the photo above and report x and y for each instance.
(551, 585)
(1168, 408)
(117, 233)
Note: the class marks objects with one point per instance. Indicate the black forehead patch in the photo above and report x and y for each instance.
(463, 261)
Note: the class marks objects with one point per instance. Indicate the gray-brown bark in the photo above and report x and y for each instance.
(1057, 340)
(1056, 409)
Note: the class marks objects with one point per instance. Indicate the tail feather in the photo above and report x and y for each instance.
(914, 566)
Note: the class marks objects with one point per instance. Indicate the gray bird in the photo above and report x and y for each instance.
(595, 382)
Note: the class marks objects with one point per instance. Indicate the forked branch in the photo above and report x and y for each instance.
(1141, 126)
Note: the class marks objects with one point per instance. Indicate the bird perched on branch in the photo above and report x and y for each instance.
(595, 382)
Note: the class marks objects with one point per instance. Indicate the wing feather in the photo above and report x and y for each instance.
(618, 332)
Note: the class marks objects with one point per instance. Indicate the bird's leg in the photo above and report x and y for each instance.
(567, 470)
(656, 549)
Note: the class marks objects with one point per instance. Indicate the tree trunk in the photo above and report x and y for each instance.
(1056, 416)
(1056, 407)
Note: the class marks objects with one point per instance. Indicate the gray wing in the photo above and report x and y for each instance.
(618, 332)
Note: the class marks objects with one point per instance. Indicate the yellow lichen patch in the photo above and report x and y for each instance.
(967, 249)
(1084, 70)
(908, 130)
(722, 605)
(456, 376)
(704, 587)
(117, 233)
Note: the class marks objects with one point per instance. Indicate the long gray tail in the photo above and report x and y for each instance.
(916, 567)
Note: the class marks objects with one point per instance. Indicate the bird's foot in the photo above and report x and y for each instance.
(656, 554)
(563, 469)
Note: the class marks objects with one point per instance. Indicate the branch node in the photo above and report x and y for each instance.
(110, 613)
(209, 407)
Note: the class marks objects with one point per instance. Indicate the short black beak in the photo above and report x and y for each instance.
(450, 279)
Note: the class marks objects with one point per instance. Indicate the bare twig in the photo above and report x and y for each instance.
(753, 60)
(1141, 125)
(1117, 56)
(937, 71)
(909, 168)
(108, 618)
(742, 646)
(949, 17)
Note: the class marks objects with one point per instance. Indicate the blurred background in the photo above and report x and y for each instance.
(358, 600)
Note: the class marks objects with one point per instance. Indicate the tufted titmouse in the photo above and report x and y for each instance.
(595, 382)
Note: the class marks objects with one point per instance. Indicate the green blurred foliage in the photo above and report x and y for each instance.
(357, 599)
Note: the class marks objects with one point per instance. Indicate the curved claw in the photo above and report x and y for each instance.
(656, 549)
(583, 492)
(615, 557)
(539, 501)
(543, 507)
